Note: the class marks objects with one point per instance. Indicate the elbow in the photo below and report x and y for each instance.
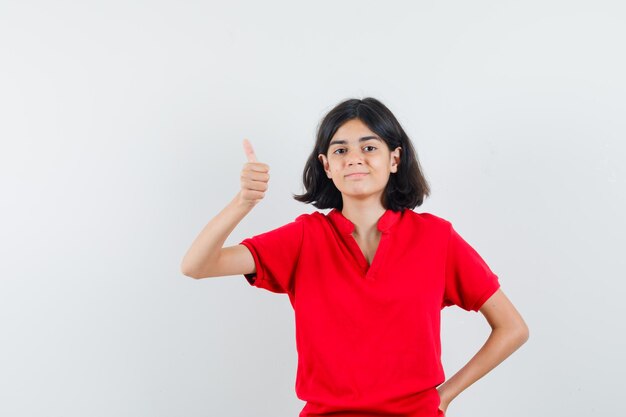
(187, 271)
(525, 334)
(514, 334)
(521, 333)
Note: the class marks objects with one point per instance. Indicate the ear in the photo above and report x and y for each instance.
(324, 161)
(395, 159)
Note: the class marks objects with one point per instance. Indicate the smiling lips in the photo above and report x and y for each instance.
(356, 175)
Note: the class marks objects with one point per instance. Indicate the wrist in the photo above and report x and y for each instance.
(242, 204)
(444, 396)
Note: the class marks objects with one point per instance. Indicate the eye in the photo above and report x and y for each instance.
(370, 146)
(338, 149)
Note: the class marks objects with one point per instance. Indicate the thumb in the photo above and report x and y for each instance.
(247, 147)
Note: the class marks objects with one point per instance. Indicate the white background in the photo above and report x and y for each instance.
(121, 126)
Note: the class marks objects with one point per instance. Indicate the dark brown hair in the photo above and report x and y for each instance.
(406, 188)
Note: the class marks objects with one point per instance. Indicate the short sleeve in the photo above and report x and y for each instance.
(469, 281)
(276, 256)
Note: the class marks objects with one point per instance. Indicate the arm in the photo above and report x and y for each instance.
(206, 257)
(508, 333)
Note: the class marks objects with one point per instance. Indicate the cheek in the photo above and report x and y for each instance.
(380, 164)
(334, 164)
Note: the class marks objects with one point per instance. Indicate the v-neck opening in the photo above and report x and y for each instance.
(345, 228)
(368, 270)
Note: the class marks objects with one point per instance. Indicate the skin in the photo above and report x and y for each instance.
(351, 152)
(208, 257)
(508, 333)
(362, 204)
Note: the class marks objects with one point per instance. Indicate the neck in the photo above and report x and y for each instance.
(364, 214)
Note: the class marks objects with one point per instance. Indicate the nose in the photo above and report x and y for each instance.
(354, 158)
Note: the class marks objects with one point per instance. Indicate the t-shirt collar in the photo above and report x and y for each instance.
(345, 226)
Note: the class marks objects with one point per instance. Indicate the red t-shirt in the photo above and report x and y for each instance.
(368, 336)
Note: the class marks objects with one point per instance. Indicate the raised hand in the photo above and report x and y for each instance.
(254, 177)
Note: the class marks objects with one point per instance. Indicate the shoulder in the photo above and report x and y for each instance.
(307, 217)
(426, 219)
(428, 223)
(314, 219)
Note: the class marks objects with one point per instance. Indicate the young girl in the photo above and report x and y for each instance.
(368, 280)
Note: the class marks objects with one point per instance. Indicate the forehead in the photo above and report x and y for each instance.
(352, 128)
(353, 131)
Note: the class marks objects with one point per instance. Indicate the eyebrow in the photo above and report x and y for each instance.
(343, 142)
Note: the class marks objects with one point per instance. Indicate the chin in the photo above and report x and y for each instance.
(361, 195)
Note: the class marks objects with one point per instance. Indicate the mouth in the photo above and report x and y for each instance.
(357, 175)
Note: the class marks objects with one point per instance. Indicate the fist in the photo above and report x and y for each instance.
(254, 177)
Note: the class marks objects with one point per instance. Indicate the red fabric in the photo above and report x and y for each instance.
(368, 336)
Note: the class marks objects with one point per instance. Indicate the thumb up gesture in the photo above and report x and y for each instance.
(254, 177)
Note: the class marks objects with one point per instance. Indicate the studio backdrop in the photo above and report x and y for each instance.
(121, 128)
